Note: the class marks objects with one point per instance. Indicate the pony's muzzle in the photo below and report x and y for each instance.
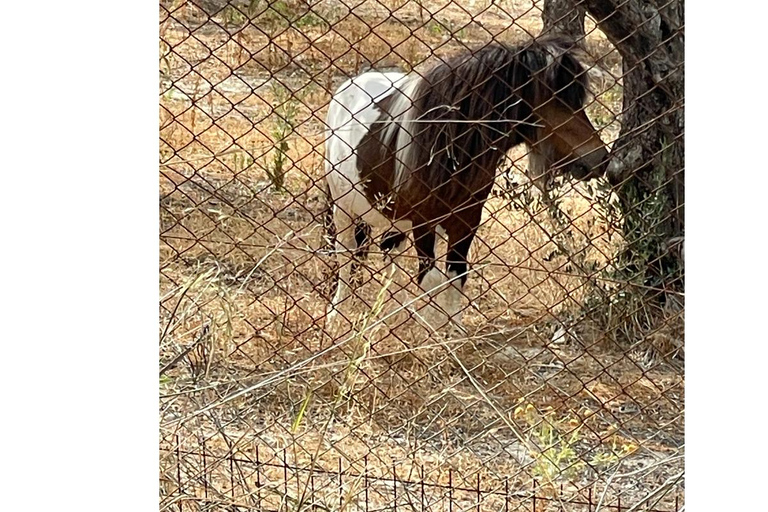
(592, 165)
(614, 172)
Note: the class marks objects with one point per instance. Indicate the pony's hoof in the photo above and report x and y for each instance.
(436, 320)
(336, 324)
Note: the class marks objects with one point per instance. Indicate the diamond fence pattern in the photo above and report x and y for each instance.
(561, 387)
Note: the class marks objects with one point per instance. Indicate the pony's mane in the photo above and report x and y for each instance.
(497, 86)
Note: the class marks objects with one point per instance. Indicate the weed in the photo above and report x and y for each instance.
(310, 19)
(241, 161)
(459, 34)
(274, 16)
(282, 128)
(602, 111)
(282, 8)
(435, 28)
(557, 440)
(232, 17)
(556, 455)
(361, 341)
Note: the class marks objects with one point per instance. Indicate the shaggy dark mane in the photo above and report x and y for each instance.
(487, 86)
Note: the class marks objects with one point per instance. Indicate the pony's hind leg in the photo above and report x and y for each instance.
(346, 246)
(363, 233)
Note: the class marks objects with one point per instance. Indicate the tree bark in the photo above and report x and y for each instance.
(647, 161)
(564, 17)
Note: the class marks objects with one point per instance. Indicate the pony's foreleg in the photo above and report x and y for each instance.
(459, 241)
(448, 288)
(430, 279)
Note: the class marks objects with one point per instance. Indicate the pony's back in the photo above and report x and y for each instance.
(358, 94)
(350, 115)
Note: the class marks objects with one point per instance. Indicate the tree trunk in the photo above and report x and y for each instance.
(563, 17)
(647, 166)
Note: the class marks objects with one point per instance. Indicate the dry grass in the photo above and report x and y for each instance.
(245, 276)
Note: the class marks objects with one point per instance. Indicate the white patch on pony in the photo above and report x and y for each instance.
(350, 114)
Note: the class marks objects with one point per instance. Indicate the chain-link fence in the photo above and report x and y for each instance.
(421, 254)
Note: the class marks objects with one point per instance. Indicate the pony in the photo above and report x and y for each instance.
(419, 153)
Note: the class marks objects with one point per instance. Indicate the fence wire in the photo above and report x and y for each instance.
(548, 375)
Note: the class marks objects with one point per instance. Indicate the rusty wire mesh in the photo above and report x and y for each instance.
(555, 396)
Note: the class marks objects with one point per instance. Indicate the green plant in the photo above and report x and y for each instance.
(555, 454)
(459, 34)
(282, 128)
(241, 161)
(435, 28)
(310, 19)
(282, 8)
(553, 443)
(233, 17)
(646, 228)
(603, 111)
(272, 16)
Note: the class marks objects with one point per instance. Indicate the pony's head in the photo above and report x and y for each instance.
(564, 141)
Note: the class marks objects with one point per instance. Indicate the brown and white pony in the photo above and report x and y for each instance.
(419, 152)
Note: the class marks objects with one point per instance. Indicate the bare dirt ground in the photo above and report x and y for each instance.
(252, 369)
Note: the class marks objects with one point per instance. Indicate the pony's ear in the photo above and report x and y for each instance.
(570, 80)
